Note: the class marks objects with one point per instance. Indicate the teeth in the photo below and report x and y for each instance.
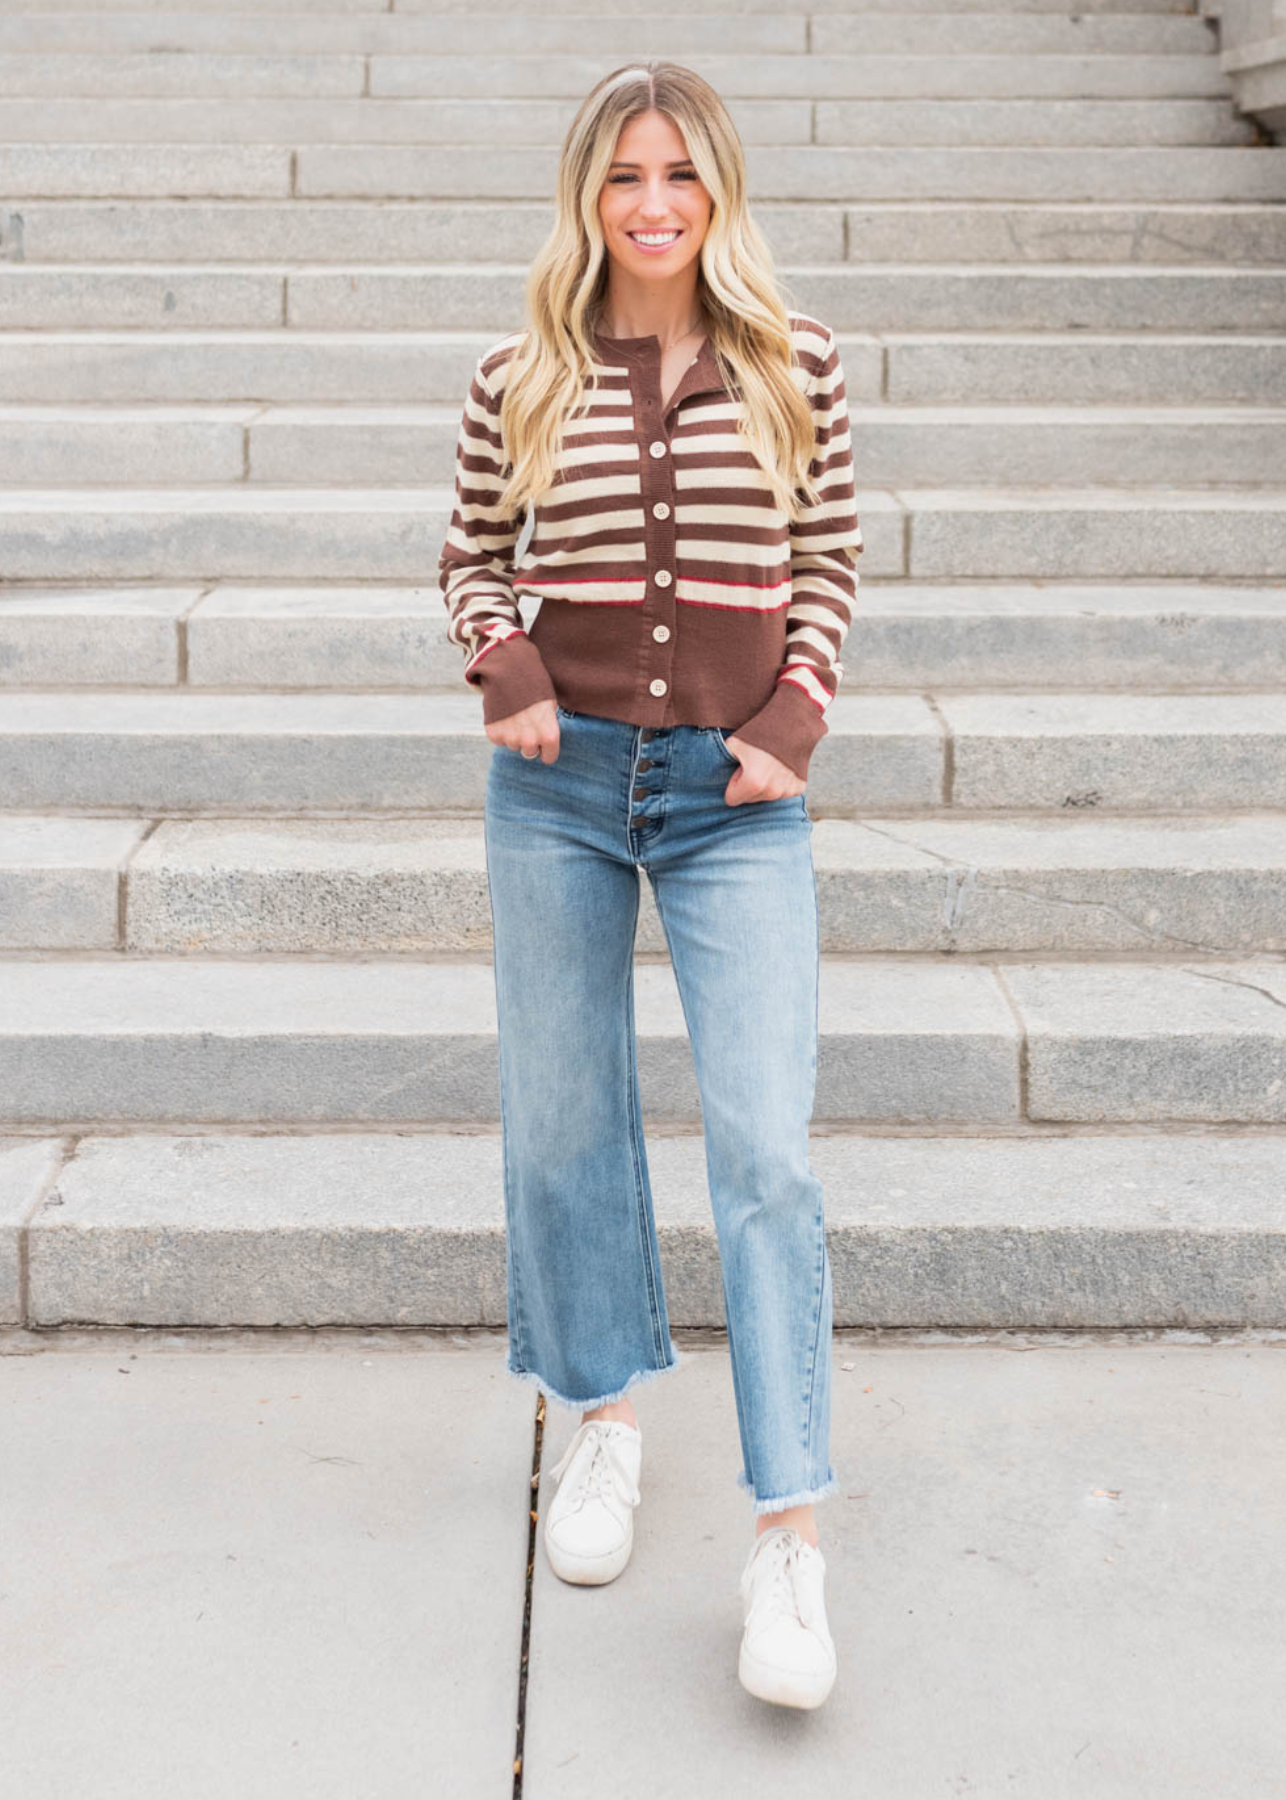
(654, 237)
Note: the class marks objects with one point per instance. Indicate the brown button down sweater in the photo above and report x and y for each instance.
(672, 589)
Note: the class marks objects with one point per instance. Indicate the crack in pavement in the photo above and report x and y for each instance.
(1235, 981)
(963, 878)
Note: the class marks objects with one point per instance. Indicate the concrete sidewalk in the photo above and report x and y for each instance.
(295, 1564)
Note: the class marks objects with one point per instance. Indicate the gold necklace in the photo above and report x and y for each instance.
(682, 340)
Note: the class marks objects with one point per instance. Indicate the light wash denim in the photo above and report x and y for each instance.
(737, 896)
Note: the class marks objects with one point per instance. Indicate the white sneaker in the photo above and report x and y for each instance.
(589, 1526)
(787, 1652)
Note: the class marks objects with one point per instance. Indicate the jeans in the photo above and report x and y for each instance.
(736, 894)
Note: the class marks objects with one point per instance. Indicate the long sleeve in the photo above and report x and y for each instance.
(825, 542)
(475, 569)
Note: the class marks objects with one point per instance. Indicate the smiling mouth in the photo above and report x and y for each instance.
(654, 240)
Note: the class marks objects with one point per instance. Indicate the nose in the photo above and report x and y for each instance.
(654, 205)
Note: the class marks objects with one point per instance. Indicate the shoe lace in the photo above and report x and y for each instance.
(772, 1569)
(601, 1475)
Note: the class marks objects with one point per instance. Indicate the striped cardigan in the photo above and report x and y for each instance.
(672, 588)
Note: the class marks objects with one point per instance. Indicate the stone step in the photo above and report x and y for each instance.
(807, 172)
(890, 33)
(321, 367)
(124, 171)
(968, 367)
(334, 121)
(828, 172)
(938, 32)
(91, 1041)
(1001, 30)
(292, 533)
(249, 69)
(309, 16)
(52, 445)
(320, 232)
(327, 117)
(1082, 1229)
(391, 446)
(355, 886)
(1094, 532)
(896, 297)
(395, 534)
(232, 754)
(915, 635)
(1047, 120)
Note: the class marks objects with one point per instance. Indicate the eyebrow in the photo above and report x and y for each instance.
(678, 163)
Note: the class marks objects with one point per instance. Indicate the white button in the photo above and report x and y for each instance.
(663, 578)
(661, 510)
(660, 633)
(656, 687)
(658, 448)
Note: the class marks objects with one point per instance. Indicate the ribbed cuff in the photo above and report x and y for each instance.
(789, 727)
(512, 675)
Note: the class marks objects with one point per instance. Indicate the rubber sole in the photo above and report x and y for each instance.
(782, 1687)
(588, 1571)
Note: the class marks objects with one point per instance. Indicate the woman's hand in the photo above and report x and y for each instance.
(760, 777)
(531, 731)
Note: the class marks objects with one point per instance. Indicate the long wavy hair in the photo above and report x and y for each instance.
(547, 375)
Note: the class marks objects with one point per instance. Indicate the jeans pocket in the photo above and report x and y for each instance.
(563, 712)
(717, 734)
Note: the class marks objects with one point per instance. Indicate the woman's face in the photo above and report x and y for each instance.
(653, 190)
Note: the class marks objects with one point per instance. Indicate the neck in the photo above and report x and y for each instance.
(634, 319)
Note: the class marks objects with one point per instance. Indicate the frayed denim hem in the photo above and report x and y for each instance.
(591, 1405)
(801, 1496)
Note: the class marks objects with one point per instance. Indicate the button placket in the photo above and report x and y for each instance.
(659, 538)
(655, 432)
(650, 770)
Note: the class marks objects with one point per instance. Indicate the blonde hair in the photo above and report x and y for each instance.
(748, 323)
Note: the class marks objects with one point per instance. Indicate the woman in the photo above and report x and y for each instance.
(683, 442)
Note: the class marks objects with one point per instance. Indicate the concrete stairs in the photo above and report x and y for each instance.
(247, 1031)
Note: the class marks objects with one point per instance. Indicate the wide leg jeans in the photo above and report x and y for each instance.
(736, 893)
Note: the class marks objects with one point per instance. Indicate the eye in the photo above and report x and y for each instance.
(679, 175)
